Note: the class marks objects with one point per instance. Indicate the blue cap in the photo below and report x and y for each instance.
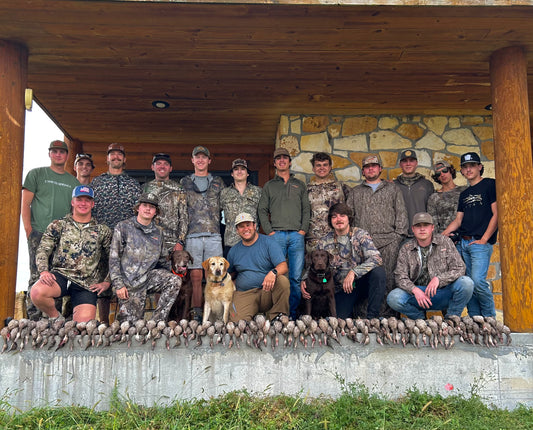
(83, 190)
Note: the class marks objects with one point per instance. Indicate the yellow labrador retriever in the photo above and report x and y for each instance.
(219, 289)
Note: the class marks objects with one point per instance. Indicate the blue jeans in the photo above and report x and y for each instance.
(453, 297)
(293, 245)
(477, 260)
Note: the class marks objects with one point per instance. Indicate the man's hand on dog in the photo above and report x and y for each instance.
(269, 281)
(122, 293)
(303, 289)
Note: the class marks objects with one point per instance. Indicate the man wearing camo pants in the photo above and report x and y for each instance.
(138, 264)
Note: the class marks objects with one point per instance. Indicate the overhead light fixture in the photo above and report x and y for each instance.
(160, 104)
(488, 107)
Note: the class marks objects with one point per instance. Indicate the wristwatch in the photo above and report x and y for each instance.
(274, 271)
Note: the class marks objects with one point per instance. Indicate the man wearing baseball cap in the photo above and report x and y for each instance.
(240, 197)
(83, 166)
(378, 207)
(46, 196)
(258, 266)
(115, 195)
(416, 189)
(284, 213)
(64, 268)
(429, 274)
(203, 232)
(173, 216)
(477, 223)
(138, 264)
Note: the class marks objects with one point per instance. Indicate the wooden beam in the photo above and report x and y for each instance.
(13, 78)
(514, 176)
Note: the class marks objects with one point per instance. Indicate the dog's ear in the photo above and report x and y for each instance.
(226, 265)
(308, 259)
(169, 256)
(205, 264)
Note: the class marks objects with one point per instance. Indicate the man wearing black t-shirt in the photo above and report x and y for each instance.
(477, 222)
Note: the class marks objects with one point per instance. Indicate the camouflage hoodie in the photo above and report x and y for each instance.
(79, 251)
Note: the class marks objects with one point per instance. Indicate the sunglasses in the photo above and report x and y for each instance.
(84, 155)
(443, 170)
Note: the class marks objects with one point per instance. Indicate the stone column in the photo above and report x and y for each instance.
(514, 176)
(13, 80)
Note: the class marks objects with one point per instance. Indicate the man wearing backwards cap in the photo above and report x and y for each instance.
(173, 216)
(240, 197)
(79, 248)
(284, 213)
(379, 208)
(477, 222)
(203, 233)
(115, 194)
(415, 188)
(138, 264)
(429, 274)
(46, 196)
(258, 266)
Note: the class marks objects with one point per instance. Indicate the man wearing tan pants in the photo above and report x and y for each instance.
(258, 267)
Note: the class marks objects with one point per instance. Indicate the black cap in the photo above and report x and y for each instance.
(470, 157)
(162, 156)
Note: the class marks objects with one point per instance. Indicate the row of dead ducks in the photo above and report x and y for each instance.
(258, 333)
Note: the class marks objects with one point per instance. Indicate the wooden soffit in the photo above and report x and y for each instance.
(228, 70)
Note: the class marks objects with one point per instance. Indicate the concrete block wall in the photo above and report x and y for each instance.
(350, 138)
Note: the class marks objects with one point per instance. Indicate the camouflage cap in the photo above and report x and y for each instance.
(162, 156)
(239, 162)
(442, 163)
(281, 151)
(243, 217)
(201, 150)
(149, 198)
(84, 156)
(422, 218)
(371, 159)
(116, 147)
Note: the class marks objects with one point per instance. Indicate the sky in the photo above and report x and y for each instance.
(39, 132)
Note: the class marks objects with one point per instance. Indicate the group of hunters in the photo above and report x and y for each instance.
(395, 246)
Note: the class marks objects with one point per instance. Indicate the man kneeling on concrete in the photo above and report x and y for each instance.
(429, 274)
(259, 265)
(138, 264)
(80, 250)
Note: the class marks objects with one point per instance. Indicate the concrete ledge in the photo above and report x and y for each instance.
(502, 376)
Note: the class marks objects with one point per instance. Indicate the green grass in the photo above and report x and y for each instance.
(356, 408)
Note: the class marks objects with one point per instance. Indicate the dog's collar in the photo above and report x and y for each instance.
(323, 276)
(181, 275)
(221, 282)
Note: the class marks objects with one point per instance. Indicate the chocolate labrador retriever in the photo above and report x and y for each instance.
(182, 305)
(319, 285)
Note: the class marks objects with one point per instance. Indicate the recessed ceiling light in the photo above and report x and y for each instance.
(160, 104)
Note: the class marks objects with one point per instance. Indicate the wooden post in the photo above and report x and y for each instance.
(514, 176)
(13, 79)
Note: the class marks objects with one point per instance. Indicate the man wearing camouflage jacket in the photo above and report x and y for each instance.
(138, 264)
(79, 248)
(173, 216)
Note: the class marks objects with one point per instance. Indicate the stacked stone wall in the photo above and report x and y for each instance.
(350, 138)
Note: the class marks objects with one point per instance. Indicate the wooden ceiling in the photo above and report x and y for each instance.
(229, 70)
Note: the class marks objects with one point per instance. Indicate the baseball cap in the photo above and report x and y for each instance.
(58, 144)
(201, 150)
(470, 157)
(422, 218)
(281, 151)
(161, 156)
(371, 159)
(239, 162)
(149, 198)
(408, 153)
(442, 163)
(116, 147)
(84, 156)
(243, 217)
(83, 190)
